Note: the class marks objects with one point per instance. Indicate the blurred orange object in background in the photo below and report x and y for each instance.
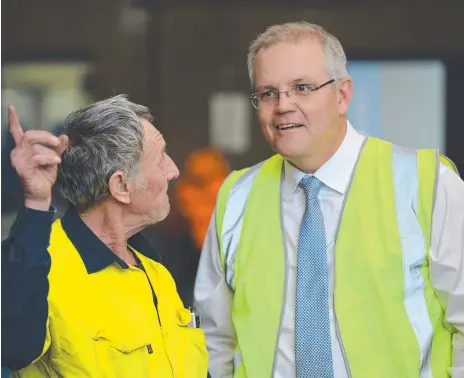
(197, 189)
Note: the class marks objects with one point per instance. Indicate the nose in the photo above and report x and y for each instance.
(284, 103)
(173, 171)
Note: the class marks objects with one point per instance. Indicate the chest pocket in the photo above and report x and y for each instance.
(121, 355)
(127, 343)
(190, 345)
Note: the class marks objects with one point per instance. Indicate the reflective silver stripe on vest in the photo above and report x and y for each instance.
(237, 359)
(406, 182)
(233, 219)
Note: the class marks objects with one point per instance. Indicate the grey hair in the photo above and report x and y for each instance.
(104, 137)
(335, 58)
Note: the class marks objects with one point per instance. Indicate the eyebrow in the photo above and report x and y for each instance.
(299, 80)
(262, 88)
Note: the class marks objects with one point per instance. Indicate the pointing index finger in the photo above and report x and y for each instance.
(15, 128)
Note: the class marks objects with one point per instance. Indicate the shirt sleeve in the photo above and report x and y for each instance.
(213, 300)
(25, 267)
(447, 258)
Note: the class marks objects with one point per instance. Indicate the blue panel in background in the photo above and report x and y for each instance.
(364, 112)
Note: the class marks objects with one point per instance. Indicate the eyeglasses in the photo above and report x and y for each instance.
(272, 96)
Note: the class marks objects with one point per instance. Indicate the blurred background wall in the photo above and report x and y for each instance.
(187, 62)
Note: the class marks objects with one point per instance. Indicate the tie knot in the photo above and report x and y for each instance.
(311, 186)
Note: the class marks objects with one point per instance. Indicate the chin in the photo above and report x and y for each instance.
(287, 151)
(164, 212)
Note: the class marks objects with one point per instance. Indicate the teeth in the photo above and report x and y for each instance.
(288, 126)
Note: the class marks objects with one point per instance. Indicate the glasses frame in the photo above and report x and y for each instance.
(254, 96)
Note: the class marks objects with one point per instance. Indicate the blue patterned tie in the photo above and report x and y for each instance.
(313, 353)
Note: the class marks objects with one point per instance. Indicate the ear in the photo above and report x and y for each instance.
(119, 188)
(345, 92)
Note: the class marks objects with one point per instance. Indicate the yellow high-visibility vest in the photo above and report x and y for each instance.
(390, 323)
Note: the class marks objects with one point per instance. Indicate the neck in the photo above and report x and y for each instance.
(113, 227)
(317, 158)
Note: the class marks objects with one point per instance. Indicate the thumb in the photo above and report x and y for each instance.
(64, 142)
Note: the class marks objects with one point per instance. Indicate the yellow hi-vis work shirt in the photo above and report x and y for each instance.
(96, 316)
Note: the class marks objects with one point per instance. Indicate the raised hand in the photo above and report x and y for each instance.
(35, 158)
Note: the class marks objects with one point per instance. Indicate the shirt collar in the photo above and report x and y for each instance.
(336, 172)
(94, 253)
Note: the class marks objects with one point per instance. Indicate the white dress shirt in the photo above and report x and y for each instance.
(214, 298)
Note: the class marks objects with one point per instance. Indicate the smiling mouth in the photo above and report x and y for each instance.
(288, 126)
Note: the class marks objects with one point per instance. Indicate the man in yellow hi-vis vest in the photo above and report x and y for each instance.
(85, 295)
(342, 255)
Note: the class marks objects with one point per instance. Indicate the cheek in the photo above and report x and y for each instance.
(150, 185)
(266, 120)
(264, 117)
(319, 111)
(157, 185)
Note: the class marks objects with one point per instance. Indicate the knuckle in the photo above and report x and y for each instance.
(14, 154)
(37, 148)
